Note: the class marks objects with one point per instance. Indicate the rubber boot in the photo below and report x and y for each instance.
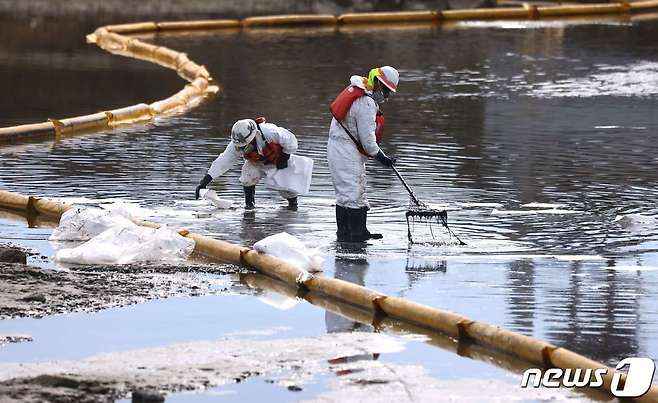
(250, 197)
(362, 217)
(342, 224)
(373, 235)
(292, 204)
(357, 231)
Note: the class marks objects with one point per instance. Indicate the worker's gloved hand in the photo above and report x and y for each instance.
(282, 162)
(202, 185)
(384, 159)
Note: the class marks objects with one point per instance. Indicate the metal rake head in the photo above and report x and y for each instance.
(427, 215)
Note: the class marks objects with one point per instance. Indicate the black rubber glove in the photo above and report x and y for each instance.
(282, 162)
(202, 185)
(384, 159)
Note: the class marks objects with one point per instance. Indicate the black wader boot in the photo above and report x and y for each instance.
(363, 218)
(292, 204)
(356, 225)
(342, 224)
(358, 233)
(250, 197)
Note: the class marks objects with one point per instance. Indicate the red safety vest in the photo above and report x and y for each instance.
(270, 153)
(343, 102)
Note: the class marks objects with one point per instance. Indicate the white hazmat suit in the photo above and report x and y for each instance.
(253, 171)
(346, 163)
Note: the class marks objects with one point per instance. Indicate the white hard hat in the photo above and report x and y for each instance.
(243, 132)
(389, 77)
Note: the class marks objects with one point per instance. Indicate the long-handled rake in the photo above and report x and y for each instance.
(421, 211)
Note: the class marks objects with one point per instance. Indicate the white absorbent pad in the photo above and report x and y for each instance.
(211, 196)
(290, 249)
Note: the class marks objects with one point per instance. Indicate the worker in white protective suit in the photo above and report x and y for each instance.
(264, 147)
(356, 129)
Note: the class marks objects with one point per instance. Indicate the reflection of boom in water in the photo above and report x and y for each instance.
(463, 348)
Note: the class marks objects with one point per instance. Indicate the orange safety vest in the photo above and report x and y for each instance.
(343, 102)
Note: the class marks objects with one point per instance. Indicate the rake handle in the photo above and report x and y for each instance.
(406, 186)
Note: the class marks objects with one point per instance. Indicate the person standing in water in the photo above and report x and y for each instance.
(357, 128)
(263, 146)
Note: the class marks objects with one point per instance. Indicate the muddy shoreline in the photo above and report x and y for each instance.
(33, 292)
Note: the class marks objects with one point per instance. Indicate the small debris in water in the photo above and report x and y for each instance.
(14, 338)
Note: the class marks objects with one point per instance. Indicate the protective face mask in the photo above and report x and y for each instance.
(378, 96)
(246, 149)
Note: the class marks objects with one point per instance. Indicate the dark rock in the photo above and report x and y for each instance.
(99, 389)
(147, 396)
(34, 298)
(57, 381)
(37, 273)
(12, 255)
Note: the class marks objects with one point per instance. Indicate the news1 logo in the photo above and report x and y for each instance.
(638, 378)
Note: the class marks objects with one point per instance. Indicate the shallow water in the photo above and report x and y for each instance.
(538, 137)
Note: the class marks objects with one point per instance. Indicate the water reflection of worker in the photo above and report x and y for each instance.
(339, 367)
(264, 146)
(353, 271)
(356, 129)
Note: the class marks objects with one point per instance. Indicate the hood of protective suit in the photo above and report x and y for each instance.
(361, 82)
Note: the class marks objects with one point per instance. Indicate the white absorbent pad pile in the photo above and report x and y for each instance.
(112, 238)
(290, 249)
(82, 224)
